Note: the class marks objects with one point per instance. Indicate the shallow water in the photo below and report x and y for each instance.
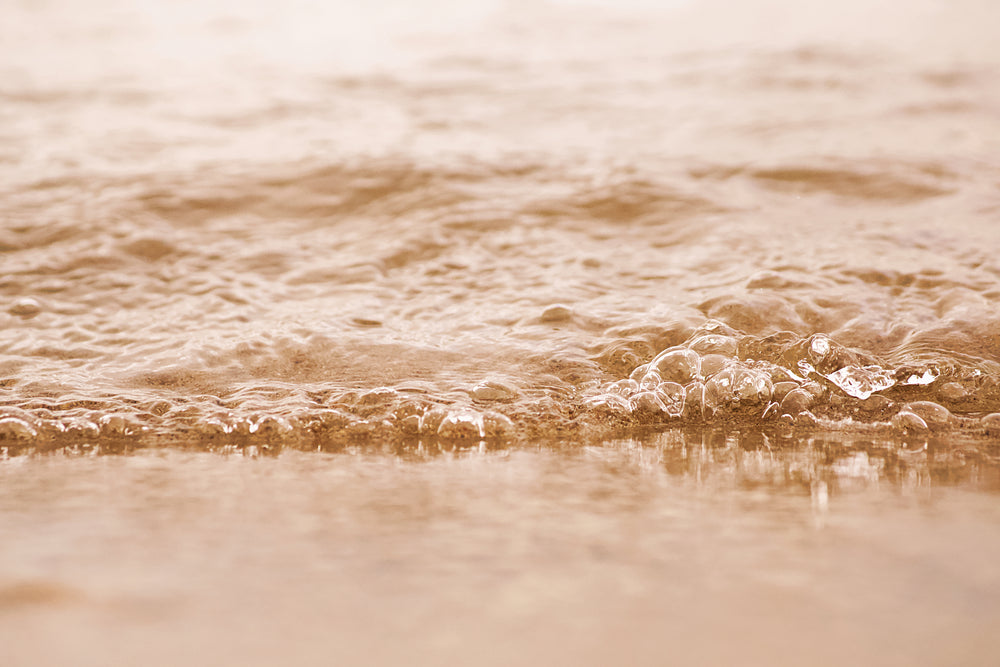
(685, 547)
(468, 267)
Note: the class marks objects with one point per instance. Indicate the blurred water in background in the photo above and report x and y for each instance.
(428, 326)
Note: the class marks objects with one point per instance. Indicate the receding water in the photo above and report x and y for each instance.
(567, 332)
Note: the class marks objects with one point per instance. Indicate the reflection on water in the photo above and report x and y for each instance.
(487, 222)
(818, 551)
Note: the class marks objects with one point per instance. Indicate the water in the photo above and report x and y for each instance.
(635, 323)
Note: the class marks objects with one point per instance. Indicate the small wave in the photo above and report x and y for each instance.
(716, 376)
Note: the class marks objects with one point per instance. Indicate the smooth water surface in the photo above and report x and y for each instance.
(685, 548)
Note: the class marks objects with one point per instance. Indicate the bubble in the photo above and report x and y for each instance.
(952, 391)
(496, 425)
(752, 387)
(718, 393)
(12, 428)
(862, 382)
(817, 390)
(819, 348)
(49, 429)
(647, 404)
(678, 365)
(326, 421)
(25, 307)
(362, 428)
(431, 420)
(737, 387)
(78, 427)
(933, 414)
(877, 408)
(462, 425)
(713, 363)
(639, 373)
(214, 426)
(408, 409)
(714, 327)
(610, 405)
(991, 423)
(379, 396)
(806, 419)
(650, 381)
(714, 344)
(672, 395)
(117, 425)
(796, 401)
(410, 425)
(908, 422)
(624, 387)
(493, 391)
(240, 426)
(557, 312)
(781, 389)
(271, 427)
(694, 402)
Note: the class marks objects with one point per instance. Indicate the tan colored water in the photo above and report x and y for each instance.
(562, 332)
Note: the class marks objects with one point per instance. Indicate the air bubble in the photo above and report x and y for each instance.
(752, 387)
(678, 365)
(638, 373)
(806, 419)
(12, 428)
(714, 327)
(694, 402)
(25, 307)
(496, 425)
(610, 403)
(714, 344)
(650, 381)
(952, 391)
(361, 428)
(556, 313)
(78, 427)
(431, 420)
(624, 387)
(271, 427)
(462, 425)
(493, 391)
(117, 425)
(908, 422)
(933, 414)
(713, 363)
(819, 348)
(672, 395)
(378, 397)
(737, 387)
(781, 389)
(991, 423)
(796, 401)
(213, 426)
(410, 425)
(648, 404)
(717, 393)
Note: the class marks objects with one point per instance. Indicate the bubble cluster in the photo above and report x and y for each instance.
(720, 376)
(716, 376)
